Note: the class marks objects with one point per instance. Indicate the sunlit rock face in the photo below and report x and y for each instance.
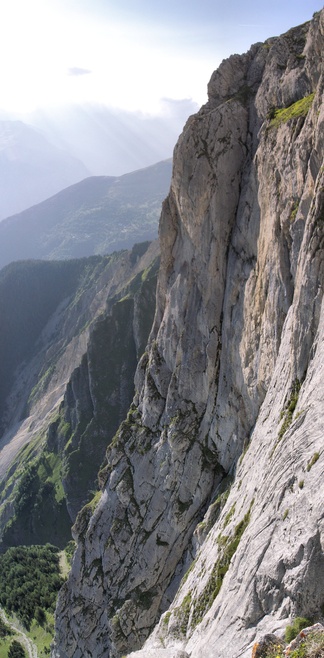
(219, 458)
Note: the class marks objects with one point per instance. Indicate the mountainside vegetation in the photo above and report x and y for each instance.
(30, 577)
(29, 581)
(72, 335)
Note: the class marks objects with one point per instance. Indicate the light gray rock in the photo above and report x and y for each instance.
(159, 653)
(236, 351)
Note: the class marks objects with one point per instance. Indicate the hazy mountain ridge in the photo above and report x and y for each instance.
(218, 462)
(81, 326)
(31, 168)
(98, 215)
(44, 152)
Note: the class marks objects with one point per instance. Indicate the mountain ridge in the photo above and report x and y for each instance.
(98, 215)
(31, 164)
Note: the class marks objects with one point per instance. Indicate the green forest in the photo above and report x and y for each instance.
(29, 582)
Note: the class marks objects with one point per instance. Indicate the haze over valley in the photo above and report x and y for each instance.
(161, 329)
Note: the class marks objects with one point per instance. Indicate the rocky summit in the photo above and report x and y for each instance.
(209, 533)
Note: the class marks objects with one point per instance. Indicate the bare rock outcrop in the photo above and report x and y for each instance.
(218, 462)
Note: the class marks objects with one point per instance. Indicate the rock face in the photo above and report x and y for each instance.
(219, 461)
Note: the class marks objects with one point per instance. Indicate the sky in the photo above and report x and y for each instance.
(136, 55)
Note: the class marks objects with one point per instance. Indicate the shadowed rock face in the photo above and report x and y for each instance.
(234, 361)
(70, 338)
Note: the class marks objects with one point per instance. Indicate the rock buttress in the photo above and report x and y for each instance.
(236, 327)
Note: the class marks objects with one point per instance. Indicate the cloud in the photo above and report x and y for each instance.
(76, 70)
(179, 108)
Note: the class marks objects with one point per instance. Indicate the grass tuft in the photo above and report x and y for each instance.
(299, 109)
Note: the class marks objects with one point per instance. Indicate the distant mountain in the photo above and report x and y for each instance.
(99, 215)
(32, 169)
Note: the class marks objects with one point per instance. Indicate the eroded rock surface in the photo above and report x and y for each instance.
(220, 457)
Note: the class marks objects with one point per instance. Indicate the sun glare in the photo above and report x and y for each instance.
(50, 59)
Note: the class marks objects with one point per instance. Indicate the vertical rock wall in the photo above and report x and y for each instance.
(235, 331)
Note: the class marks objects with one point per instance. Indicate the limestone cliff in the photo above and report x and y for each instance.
(220, 457)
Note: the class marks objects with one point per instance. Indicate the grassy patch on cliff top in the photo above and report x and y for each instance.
(298, 109)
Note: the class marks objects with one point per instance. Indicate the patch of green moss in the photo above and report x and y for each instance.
(182, 614)
(185, 577)
(229, 515)
(297, 625)
(70, 550)
(41, 385)
(298, 109)
(94, 501)
(166, 618)
(64, 429)
(246, 446)
(227, 548)
(289, 409)
(312, 461)
(294, 211)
